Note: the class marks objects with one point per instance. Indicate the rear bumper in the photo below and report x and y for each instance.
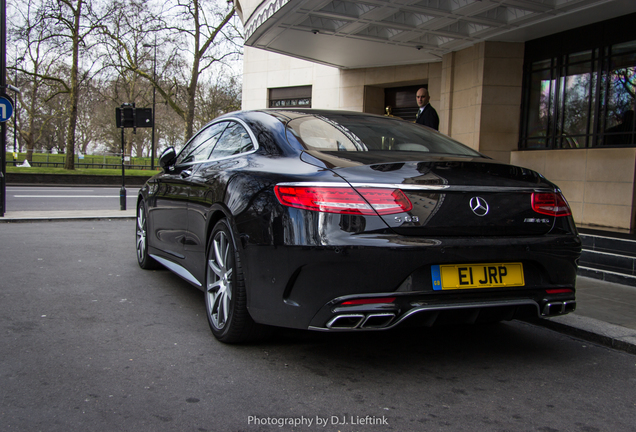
(304, 286)
(428, 315)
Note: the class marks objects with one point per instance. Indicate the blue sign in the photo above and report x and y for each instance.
(6, 109)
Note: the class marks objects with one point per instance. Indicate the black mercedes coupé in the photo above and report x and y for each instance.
(343, 221)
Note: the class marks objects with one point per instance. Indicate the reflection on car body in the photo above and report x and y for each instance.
(340, 221)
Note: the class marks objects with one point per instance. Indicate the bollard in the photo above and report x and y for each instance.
(122, 198)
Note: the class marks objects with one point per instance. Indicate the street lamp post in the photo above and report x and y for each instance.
(3, 83)
(15, 115)
(154, 95)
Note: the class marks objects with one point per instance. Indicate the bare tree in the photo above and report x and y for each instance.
(54, 130)
(64, 26)
(203, 30)
(202, 35)
(91, 115)
(217, 97)
(127, 25)
(29, 40)
(72, 79)
(33, 99)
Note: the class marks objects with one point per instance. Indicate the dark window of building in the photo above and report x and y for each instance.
(580, 91)
(290, 97)
(402, 100)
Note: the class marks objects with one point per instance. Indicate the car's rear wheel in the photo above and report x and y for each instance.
(145, 261)
(225, 295)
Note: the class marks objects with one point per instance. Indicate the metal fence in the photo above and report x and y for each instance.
(103, 161)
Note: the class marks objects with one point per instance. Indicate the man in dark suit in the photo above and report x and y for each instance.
(427, 115)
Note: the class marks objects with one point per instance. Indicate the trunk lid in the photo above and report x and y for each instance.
(451, 196)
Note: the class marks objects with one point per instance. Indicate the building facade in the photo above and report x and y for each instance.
(545, 84)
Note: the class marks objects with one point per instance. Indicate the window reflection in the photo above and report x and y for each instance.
(570, 104)
(620, 84)
(541, 105)
(304, 102)
(576, 87)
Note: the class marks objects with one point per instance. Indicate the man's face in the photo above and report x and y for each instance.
(422, 97)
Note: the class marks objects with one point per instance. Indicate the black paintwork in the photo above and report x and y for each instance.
(297, 263)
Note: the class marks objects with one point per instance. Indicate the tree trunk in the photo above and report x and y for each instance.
(29, 151)
(74, 93)
(191, 101)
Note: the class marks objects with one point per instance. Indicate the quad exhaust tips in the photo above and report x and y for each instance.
(558, 308)
(361, 321)
(430, 315)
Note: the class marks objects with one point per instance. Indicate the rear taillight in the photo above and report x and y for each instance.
(344, 200)
(550, 203)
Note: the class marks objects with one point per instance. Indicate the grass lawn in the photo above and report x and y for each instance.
(44, 159)
(81, 171)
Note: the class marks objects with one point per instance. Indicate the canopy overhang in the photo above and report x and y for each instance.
(376, 33)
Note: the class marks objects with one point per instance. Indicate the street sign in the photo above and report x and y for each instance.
(6, 109)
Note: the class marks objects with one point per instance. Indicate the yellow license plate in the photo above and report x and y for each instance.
(466, 276)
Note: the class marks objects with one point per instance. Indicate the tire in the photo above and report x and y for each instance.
(145, 261)
(225, 295)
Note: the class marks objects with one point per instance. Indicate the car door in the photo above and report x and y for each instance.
(208, 185)
(168, 208)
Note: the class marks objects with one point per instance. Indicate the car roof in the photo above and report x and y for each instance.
(288, 114)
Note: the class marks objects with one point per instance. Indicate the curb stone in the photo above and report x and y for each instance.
(591, 330)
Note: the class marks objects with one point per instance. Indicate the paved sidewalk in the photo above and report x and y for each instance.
(38, 216)
(605, 312)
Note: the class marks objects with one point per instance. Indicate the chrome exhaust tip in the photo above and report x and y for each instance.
(375, 321)
(558, 308)
(361, 321)
(350, 321)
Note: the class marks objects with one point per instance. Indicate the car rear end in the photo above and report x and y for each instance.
(418, 237)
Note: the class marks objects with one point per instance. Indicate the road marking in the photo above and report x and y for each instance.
(48, 190)
(65, 196)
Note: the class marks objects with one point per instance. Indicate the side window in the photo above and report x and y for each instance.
(199, 147)
(235, 140)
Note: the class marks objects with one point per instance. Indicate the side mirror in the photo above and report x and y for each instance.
(167, 158)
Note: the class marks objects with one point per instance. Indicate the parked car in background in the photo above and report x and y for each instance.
(342, 221)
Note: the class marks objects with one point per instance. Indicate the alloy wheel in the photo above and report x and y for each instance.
(141, 233)
(219, 280)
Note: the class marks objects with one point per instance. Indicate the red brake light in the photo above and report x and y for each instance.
(369, 301)
(344, 200)
(558, 291)
(550, 203)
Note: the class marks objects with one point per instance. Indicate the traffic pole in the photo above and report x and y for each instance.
(122, 191)
(3, 92)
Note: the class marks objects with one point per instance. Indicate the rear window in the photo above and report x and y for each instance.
(362, 133)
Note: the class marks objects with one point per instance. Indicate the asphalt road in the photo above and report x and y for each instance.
(90, 342)
(44, 198)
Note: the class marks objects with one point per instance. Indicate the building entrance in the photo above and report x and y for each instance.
(402, 101)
